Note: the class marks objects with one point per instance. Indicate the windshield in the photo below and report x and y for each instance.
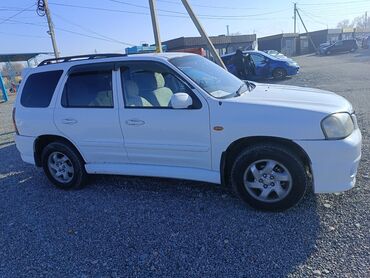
(210, 77)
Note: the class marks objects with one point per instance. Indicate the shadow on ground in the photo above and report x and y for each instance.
(130, 226)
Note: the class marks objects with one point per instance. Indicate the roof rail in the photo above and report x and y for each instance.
(79, 57)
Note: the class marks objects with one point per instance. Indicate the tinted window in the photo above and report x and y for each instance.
(258, 59)
(88, 90)
(39, 88)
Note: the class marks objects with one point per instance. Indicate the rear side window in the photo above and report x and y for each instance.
(88, 90)
(39, 88)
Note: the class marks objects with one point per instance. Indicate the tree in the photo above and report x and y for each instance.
(358, 22)
(344, 24)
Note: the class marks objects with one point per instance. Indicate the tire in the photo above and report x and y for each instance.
(353, 50)
(328, 52)
(58, 156)
(260, 191)
(279, 74)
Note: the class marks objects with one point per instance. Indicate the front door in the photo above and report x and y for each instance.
(338, 47)
(87, 114)
(261, 64)
(154, 132)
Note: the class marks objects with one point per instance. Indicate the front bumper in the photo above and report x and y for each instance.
(334, 162)
(292, 71)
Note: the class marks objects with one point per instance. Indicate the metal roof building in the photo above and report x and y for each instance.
(223, 44)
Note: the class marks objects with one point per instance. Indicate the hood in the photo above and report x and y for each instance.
(295, 97)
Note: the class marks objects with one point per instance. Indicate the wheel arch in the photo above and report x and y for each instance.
(280, 67)
(42, 141)
(235, 147)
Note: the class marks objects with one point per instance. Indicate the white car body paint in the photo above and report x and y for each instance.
(183, 143)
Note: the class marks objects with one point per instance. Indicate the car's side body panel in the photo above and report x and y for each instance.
(36, 121)
(151, 170)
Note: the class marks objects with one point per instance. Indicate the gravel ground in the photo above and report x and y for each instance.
(151, 227)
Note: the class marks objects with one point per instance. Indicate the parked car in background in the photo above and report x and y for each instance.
(338, 47)
(264, 65)
(366, 43)
(275, 53)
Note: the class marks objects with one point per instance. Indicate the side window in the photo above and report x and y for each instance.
(151, 86)
(88, 90)
(258, 59)
(339, 43)
(39, 88)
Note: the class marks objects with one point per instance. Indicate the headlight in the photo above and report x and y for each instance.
(292, 64)
(337, 126)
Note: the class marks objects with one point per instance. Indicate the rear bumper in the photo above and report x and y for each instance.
(25, 147)
(334, 162)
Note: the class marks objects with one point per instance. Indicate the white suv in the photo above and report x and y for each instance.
(181, 116)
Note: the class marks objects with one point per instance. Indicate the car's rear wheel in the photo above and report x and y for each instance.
(353, 50)
(63, 166)
(328, 52)
(279, 73)
(269, 177)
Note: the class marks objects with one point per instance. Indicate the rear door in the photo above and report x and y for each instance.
(87, 114)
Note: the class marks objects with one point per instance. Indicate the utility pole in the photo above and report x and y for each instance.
(43, 9)
(203, 34)
(153, 13)
(365, 20)
(227, 30)
(308, 35)
(51, 29)
(295, 18)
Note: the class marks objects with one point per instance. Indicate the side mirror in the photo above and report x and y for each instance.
(181, 101)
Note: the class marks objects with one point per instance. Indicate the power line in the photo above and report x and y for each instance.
(61, 29)
(91, 31)
(246, 17)
(199, 15)
(312, 18)
(14, 15)
(23, 35)
(82, 35)
(13, 9)
(211, 7)
(27, 23)
(334, 3)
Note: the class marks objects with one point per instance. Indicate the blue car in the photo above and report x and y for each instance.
(263, 65)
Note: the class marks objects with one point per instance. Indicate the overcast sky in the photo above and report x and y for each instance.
(86, 26)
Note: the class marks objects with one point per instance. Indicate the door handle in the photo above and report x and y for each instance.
(69, 121)
(135, 122)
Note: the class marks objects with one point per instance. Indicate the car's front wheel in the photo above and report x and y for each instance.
(63, 166)
(279, 74)
(269, 177)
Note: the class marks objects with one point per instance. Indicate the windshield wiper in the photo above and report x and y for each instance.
(249, 85)
(238, 92)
